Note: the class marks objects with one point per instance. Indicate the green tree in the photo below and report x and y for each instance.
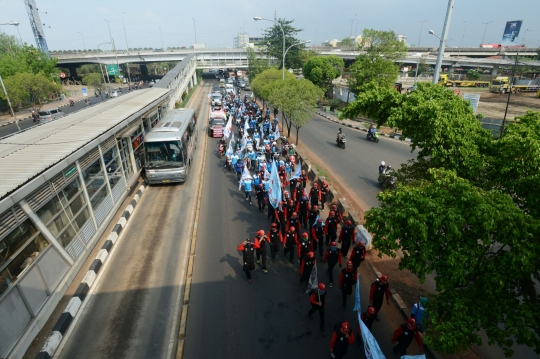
(468, 209)
(348, 42)
(30, 90)
(263, 83)
(95, 81)
(378, 63)
(274, 37)
(473, 75)
(422, 66)
(88, 69)
(256, 64)
(321, 70)
(16, 58)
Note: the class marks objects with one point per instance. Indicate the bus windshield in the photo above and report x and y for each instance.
(165, 154)
(496, 83)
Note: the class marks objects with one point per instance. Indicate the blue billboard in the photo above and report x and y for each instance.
(511, 32)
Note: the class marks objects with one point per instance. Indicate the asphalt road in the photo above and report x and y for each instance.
(27, 123)
(230, 318)
(133, 311)
(357, 166)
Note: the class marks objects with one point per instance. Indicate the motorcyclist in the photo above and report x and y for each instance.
(339, 134)
(382, 167)
(71, 103)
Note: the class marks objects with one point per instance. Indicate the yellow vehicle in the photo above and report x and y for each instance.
(502, 84)
(538, 94)
(444, 80)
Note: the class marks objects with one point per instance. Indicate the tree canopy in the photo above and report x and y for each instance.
(274, 37)
(95, 81)
(256, 64)
(16, 58)
(30, 90)
(378, 63)
(467, 210)
(321, 70)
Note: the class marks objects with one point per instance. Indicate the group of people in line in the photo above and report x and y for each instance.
(298, 228)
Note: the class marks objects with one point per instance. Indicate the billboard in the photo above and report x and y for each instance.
(511, 32)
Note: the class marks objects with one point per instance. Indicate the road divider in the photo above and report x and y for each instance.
(63, 323)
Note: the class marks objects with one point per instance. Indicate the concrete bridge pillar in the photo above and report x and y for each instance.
(144, 72)
(72, 71)
(494, 71)
(451, 70)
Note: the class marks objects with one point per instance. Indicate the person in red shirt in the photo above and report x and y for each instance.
(306, 265)
(317, 300)
(346, 237)
(342, 337)
(376, 295)
(317, 236)
(275, 240)
(261, 239)
(315, 194)
(324, 192)
(358, 254)
(330, 228)
(303, 179)
(338, 213)
(304, 246)
(290, 239)
(404, 336)
(333, 257)
(293, 221)
(347, 279)
(248, 257)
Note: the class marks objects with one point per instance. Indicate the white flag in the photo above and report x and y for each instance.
(245, 175)
(274, 190)
(228, 128)
(371, 347)
(313, 282)
(266, 173)
(298, 171)
(276, 133)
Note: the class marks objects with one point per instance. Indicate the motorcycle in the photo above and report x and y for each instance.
(340, 141)
(71, 103)
(221, 150)
(373, 136)
(387, 180)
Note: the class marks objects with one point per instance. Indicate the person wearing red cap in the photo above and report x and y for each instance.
(324, 193)
(289, 209)
(346, 237)
(304, 246)
(306, 265)
(332, 257)
(404, 336)
(302, 208)
(314, 214)
(358, 254)
(342, 337)
(261, 239)
(330, 228)
(293, 221)
(317, 300)
(290, 239)
(315, 194)
(379, 289)
(347, 279)
(280, 218)
(368, 317)
(248, 257)
(317, 236)
(292, 185)
(275, 240)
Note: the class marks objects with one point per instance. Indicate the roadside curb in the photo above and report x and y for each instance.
(403, 310)
(394, 136)
(63, 323)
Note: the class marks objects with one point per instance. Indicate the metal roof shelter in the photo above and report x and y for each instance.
(26, 155)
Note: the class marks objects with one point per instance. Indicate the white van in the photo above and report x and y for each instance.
(222, 83)
(229, 88)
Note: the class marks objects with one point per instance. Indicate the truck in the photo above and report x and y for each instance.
(444, 80)
(198, 46)
(502, 84)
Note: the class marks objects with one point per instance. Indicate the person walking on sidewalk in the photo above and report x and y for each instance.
(346, 237)
(315, 194)
(379, 289)
(275, 240)
(418, 314)
(261, 239)
(317, 300)
(347, 279)
(290, 239)
(332, 257)
(324, 193)
(248, 257)
(358, 254)
(317, 237)
(35, 116)
(342, 337)
(404, 336)
(330, 228)
(306, 265)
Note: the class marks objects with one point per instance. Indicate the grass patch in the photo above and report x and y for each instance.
(320, 170)
(186, 100)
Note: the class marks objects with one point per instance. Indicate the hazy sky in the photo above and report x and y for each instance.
(218, 22)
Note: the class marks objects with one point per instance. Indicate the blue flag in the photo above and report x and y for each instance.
(371, 347)
(298, 171)
(274, 191)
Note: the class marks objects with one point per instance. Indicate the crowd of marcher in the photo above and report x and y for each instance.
(297, 225)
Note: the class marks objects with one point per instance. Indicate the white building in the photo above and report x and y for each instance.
(401, 38)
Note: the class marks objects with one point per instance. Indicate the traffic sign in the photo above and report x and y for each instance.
(84, 92)
(112, 69)
(62, 75)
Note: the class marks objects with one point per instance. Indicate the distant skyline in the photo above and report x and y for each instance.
(218, 22)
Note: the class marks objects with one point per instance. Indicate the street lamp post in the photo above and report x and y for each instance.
(462, 38)
(510, 86)
(161, 34)
(114, 48)
(127, 50)
(443, 40)
(194, 29)
(14, 23)
(257, 18)
(84, 44)
(485, 23)
(418, 45)
(102, 74)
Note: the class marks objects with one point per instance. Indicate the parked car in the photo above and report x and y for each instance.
(151, 83)
(247, 87)
(114, 93)
(51, 114)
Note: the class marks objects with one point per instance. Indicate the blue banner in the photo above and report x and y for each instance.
(511, 33)
(274, 190)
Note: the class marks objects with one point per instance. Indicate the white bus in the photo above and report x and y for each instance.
(169, 147)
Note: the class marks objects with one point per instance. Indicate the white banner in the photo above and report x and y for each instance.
(313, 283)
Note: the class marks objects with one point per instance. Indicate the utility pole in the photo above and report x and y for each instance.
(82, 39)
(114, 48)
(161, 34)
(418, 45)
(510, 87)
(443, 41)
(195, 29)
(463, 37)
(485, 23)
(127, 49)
